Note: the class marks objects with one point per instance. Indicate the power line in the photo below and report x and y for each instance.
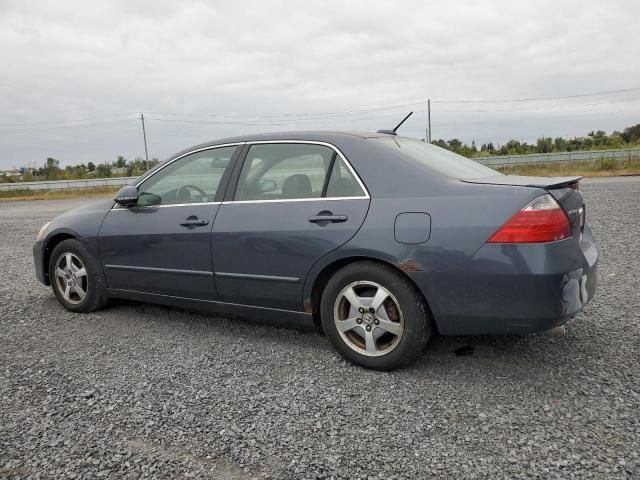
(64, 127)
(297, 117)
(65, 121)
(563, 97)
(537, 118)
(400, 105)
(549, 107)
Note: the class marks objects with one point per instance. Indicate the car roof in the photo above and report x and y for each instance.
(313, 136)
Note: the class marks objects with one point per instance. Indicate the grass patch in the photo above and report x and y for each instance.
(606, 167)
(92, 192)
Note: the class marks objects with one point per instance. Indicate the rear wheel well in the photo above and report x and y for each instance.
(328, 271)
(51, 244)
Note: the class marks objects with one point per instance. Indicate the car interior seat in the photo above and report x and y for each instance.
(297, 186)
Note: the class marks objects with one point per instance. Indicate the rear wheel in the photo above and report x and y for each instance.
(374, 316)
(76, 278)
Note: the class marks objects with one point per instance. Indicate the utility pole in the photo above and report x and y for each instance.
(144, 135)
(429, 118)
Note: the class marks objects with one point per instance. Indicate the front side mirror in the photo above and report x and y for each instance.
(127, 196)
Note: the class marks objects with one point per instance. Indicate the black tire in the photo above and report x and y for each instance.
(418, 323)
(96, 293)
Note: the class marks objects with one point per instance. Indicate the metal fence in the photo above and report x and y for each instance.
(65, 184)
(560, 157)
(496, 161)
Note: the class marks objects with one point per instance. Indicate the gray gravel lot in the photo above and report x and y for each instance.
(144, 391)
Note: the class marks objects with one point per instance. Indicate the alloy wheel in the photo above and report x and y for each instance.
(71, 278)
(368, 318)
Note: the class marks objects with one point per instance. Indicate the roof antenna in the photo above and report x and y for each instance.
(393, 132)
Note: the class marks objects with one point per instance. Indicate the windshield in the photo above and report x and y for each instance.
(446, 162)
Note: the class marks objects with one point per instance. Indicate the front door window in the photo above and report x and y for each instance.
(194, 178)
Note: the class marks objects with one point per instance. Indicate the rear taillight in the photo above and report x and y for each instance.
(543, 220)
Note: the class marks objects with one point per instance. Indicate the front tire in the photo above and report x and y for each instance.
(374, 316)
(75, 277)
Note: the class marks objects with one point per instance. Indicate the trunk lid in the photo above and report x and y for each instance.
(564, 189)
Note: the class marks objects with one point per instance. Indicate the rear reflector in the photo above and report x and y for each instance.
(543, 220)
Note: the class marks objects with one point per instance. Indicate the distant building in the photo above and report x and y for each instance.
(118, 170)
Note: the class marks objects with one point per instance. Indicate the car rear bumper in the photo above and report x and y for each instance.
(514, 289)
(38, 261)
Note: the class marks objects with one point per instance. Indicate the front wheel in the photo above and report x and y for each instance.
(374, 316)
(76, 278)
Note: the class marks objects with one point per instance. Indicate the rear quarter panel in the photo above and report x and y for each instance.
(463, 217)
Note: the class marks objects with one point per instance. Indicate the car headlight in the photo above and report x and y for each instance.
(42, 231)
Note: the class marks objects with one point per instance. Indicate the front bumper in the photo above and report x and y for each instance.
(514, 289)
(38, 262)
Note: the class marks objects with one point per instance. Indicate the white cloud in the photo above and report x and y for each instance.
(76, 59)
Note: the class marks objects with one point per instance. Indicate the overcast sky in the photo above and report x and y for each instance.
(76, 74)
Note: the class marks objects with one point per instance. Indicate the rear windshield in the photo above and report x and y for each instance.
(443, 161)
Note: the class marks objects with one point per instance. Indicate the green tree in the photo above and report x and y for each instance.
(103, 171)
(631, 134)
(544, 145)
(91, 166)
(51, 169)
(121, 162)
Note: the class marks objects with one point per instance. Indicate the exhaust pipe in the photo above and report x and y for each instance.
(556, 332)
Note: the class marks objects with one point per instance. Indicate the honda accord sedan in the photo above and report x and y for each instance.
(378, 239)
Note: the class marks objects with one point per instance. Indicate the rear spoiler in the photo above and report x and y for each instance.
(523, 181)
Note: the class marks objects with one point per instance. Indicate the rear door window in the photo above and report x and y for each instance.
(284, 171)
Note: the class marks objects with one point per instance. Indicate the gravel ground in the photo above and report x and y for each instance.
(144, 391)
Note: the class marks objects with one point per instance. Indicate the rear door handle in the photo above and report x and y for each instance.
(194, 222)
(328, 218)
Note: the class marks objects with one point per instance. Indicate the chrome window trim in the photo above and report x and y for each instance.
(210, 147)
(144, 179)
(115, 208)
(281, 200)
(366, 195)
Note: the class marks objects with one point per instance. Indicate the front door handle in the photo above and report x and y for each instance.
(322, 219)
(194, 222)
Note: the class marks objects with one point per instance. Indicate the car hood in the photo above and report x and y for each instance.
(93, 206)
(523, 181)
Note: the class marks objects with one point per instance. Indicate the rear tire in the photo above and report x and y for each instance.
(374, 316)
(76, 278)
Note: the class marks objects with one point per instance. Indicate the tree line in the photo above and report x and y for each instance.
(595, 140)
(598, 140)
(122, 167)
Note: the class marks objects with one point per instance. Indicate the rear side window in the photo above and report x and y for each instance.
(294, 171)
(441, 160)
(342, 183)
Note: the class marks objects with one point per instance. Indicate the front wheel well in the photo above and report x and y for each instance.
(323, 277)
(46, 257)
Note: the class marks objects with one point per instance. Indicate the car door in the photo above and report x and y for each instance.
(294, 202)
(162, 245)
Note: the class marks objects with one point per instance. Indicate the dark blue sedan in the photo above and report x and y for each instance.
(378, 239)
